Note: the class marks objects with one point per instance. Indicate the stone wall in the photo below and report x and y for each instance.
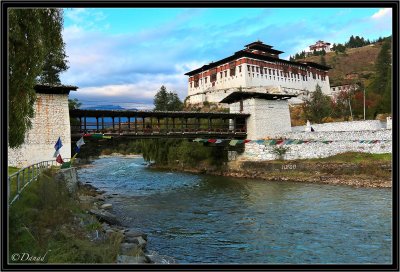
(341, 142)
(51, 120)
(346, 126)
(266, 116)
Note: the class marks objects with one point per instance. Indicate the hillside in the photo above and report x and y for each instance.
(355, 64)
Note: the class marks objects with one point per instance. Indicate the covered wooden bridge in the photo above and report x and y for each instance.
(158, 124)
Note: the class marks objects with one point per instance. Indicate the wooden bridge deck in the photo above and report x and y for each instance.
(158, 124)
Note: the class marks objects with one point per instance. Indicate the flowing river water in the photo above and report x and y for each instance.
(208, 219)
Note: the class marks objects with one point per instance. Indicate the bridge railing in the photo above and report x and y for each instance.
(19, 180)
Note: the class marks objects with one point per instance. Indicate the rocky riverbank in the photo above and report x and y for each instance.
(133, 242)
(371, 174)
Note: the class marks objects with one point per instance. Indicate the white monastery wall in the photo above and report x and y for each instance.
(245, 78)
(51, 120)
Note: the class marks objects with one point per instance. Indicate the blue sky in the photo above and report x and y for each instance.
(122, 56)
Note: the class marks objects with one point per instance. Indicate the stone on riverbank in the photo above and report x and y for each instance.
(133, 233)
(129, 249)
(104, 216)
(131, 259)
(106, 206)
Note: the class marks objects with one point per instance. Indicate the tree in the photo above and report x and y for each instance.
(381, 83)
(317, 106)
(74, 104)
(35, 54)
(167, 101)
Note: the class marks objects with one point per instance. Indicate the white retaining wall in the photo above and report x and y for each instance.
(345, 126)
(51, 120)
(342, 142)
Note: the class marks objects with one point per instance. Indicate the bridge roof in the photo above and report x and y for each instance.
(238, 96)
(163, 114)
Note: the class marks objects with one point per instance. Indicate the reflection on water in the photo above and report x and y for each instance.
(205, 219)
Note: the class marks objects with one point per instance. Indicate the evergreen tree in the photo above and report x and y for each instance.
(167, 101)
(317, 107)
(35, 51)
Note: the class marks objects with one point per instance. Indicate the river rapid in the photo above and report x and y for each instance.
(208, 219)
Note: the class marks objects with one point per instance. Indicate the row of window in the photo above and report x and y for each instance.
(257, 69)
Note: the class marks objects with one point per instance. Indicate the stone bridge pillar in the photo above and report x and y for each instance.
(51, 120)
(269, 113)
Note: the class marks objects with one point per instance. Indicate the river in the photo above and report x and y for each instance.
(207, 219)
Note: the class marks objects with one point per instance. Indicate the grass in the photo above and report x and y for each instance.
(46, 218)
(356, 157)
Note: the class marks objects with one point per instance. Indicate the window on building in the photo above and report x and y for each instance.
(240, 69)
(191, 84)
(252, 68)
(205, 80)
(196, 83)
(220, 74)
(226, 73)
(281, 73)
(248, 68)
(257, 69)
(269, 71)
(213, 76)
(261, 70)
(232, 71)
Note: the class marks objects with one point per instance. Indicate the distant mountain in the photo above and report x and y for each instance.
(106, 107)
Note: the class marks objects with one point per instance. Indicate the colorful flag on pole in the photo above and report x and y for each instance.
(58, 144)
(59, 159)
(218, 141)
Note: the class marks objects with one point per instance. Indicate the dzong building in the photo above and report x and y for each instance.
(257, 68)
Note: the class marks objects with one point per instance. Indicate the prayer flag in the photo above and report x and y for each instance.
(197, 140)
(106, 137)
(233, 142)
(58, 144)
(56, 153)
(279, 142)
(59, 159)
(272, 142)
(212, 140)
(80, 142)
(246, 141)
(218, 141)
(97, 136)
(87, 135)
(77, 149)
(66, 165)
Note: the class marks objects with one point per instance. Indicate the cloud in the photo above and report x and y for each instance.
(382, 13)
